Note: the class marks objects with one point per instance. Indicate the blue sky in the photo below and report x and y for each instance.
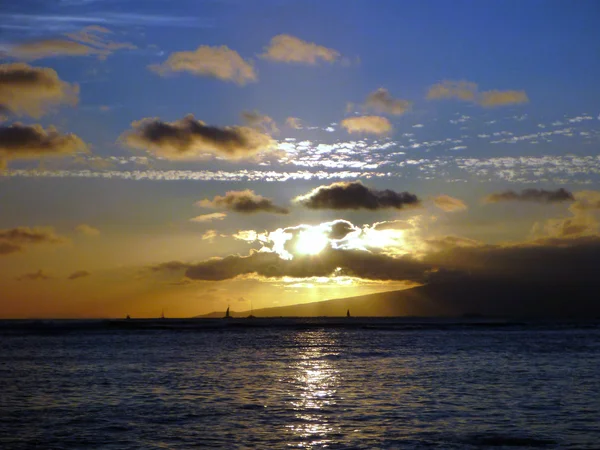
(527, 117)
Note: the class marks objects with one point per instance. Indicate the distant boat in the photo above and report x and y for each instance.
(348, 313)
(227, 316)
(128, 317)
(162, 314)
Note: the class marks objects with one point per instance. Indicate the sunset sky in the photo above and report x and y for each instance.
(196, 154)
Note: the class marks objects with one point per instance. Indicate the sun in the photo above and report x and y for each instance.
(311, 242)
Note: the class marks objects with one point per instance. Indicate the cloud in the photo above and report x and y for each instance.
(531, 195)
(245, 202)
(210, 236)
(355, 195)
(78, 274)
(33, 276)
(246, 235)
(209, 217)
(260, 122)
(217, 62)
(290, 49)
(367, 124)
(468, 91)
(449, 204)
(20, 141)
(381, 101)
(189, 138)
(33, 91)
(502, 98)
(582, 221)
(85, 42)
(15, 240)
(294, 122)
(87, 230)
(353, 263)
(461, 90)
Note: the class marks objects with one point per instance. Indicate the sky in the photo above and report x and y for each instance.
(193, 155)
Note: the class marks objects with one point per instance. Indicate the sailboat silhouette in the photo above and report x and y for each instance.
(251, 316)
(348, 313)
(227, 316)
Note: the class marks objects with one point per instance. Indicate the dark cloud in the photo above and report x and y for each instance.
(340, 229)
(245, 202)
(190, 138)
(532, 195)
(15, 240)
(20, 141)
(347, 262)
(33, 91)
(355, 195)
(78, 274)
(34, 276)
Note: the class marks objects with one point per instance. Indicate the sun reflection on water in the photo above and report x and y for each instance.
(313, 387)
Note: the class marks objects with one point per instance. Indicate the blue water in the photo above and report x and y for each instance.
(299, 383)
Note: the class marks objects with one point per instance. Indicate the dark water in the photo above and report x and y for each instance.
(305, 383)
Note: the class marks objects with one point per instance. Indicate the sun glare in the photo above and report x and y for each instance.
(311, 242)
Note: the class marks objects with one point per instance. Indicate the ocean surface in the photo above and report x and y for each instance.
(304, 383)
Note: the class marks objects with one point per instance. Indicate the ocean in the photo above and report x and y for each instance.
(299, 383)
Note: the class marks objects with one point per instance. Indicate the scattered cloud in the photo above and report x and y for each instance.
(531, 195)
(85, 42)
(18, 141)
(40, 275)
(210, 236)
(294, 122)
(245, 202)
(367, 124)
(16, 240)
(33, 91)
(382, 102)
(260, 122)
(290, 49)
(79, 274)
(355, 195)
(502, 98)
(449, 204)
(87, 230)
(209, 217)
(217, 62)
(468, 91)
(189, 138)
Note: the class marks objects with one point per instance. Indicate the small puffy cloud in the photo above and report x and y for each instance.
(355, 195)
(40, 275)
(87, 230)
(290, 49)
(461, 90)
(294, 122)
(20, 141)
(245, 202)
(260, 122)
(502, 98)
(33, 91)
(209, 217)
(189, 138)
(15, 240)
(468, 91)
(246, 235)
(381, 101)
(449, 204)
(367, 124)
(85, 42)
(531, 195)
(210, 235)
(217, 62)
(78, 274)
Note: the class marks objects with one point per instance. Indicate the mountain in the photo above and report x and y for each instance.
(467, 296)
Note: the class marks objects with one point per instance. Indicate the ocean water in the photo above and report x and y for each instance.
(320, 383)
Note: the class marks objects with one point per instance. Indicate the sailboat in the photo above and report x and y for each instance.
(227, 316)
(348, 313)
(162, 314)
